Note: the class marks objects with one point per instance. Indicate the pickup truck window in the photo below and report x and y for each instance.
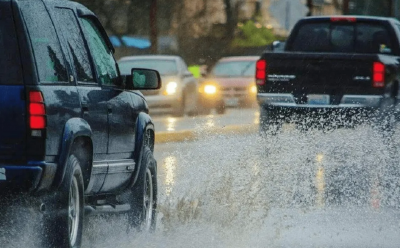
(346, 38)
(102, 56)
(46, 47)
(73, 38)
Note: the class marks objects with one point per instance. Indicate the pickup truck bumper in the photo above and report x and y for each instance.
(352, 109)
(347, 102)
(34, 177)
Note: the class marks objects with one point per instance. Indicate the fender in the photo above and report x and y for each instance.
(143, 124)
(75, 127)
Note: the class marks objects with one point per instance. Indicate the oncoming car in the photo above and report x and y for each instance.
(231, 82)
(178, 94)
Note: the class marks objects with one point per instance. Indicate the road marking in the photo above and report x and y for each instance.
(375, 195)
(320, 181)
(169, 165)
(190, 135)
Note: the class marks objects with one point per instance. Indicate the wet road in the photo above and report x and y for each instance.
(296, 189)
(232, 117)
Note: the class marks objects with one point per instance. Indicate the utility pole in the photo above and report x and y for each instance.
(287, 19)
(310, 6)
(153, 27)
(396, 8)
(346, 7)
(230, 22)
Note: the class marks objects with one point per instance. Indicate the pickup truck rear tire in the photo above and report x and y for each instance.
(385, 119)
(64, 222)
(144, 194)
(269, 123)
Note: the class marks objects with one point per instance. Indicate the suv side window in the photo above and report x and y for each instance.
(102, 56)
(46, 48)
(73, 39)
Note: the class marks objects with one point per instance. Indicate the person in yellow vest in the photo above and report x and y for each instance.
(195, 70)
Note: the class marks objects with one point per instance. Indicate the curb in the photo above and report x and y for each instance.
(190, 135)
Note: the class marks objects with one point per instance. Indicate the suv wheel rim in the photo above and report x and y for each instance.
(73, 211)
(148, 200)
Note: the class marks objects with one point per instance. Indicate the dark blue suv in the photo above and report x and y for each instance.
(76, 135)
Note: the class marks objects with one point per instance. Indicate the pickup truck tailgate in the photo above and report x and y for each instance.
(310, 73)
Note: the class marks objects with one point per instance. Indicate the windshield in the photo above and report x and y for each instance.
(164, 67)
(343, 38)
(234, 69)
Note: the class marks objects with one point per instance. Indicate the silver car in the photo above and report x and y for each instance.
(178, 94)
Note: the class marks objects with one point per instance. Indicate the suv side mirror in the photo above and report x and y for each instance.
(143, 79)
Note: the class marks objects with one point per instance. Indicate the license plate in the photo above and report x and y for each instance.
(3, 174)
(231, 101)
(318, 99)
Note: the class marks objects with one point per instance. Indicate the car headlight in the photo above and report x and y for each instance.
(253, 89)
(210, 89)
(171, 88)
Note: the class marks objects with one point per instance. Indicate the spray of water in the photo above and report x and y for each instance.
(252, 191)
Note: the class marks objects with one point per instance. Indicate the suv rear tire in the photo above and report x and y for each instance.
(64, 223)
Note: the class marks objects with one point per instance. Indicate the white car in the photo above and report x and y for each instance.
(179, 92)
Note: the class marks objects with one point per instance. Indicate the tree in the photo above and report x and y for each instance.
(124, 17)
(253, 35)
(310, 6)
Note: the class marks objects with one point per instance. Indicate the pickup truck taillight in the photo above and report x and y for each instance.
(378, 75)
(261, 71)
(343, 19)
(37, 112)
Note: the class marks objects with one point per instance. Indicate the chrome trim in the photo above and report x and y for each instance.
(348, 101)
(362, 100)
(280, 78)
(271, 98)
(121, 166)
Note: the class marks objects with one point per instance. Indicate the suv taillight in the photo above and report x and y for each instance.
(37, 111)
(378, 75)
(261, 71)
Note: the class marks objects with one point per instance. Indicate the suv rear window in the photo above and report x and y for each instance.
(10, 64)
(346, 38)
(46, 47)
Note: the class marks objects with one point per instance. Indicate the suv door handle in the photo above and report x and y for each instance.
(85, 107)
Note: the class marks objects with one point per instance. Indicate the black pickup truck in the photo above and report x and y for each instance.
(341, 66)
